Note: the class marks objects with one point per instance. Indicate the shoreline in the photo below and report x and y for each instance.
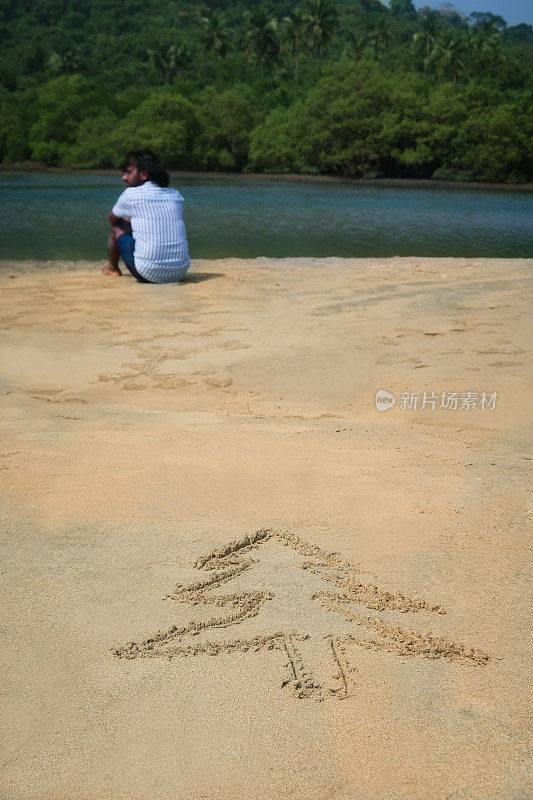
(308, 265)
(284, 177)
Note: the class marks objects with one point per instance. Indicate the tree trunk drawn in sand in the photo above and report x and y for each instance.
(299, 648)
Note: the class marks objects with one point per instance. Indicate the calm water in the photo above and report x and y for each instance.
(51, 216)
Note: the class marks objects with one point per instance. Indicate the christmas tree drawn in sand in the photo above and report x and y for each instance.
(286, 609)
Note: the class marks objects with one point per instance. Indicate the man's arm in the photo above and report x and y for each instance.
(123, 223)
(119, 221)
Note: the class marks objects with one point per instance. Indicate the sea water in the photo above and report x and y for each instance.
(63, 215)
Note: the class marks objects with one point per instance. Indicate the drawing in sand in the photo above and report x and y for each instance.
(318, 657)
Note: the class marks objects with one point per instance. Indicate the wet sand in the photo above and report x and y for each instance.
(225, 574)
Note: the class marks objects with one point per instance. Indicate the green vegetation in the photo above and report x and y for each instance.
(351, 88)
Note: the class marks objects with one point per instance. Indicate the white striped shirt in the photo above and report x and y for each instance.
(161, 252)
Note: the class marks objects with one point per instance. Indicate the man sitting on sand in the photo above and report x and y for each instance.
(147, 227)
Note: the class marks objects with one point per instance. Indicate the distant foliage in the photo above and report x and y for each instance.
(352, 87)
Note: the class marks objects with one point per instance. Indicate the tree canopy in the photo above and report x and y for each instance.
(352, 87)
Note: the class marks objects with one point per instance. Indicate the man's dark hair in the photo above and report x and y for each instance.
(147, 161)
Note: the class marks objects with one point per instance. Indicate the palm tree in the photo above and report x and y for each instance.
(356, 45)
(380, 38)
(260, 41)
(55, 63)
(424, 40)
(65, 64)
(168, 63)
(485, 51)
(178, 58)
(216, 33)
(322, 19)
(493, 51)
(447, 57)
(296, 27)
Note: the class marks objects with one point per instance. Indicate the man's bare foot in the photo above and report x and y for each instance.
(109, 269)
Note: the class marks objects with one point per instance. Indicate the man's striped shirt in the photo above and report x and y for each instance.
(161, 252)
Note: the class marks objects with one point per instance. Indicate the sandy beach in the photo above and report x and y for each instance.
(226, 575)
